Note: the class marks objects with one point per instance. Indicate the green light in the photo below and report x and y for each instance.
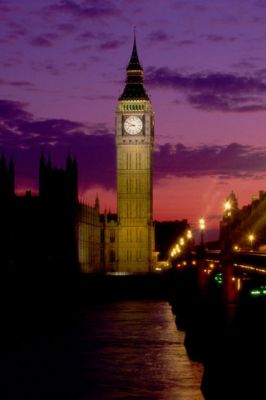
(261, 291)
(255, 293)
(219, 278)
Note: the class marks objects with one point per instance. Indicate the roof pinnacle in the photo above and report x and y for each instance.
(134, 63)
(134, 88)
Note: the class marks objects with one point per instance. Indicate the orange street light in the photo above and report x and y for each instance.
(189, 234)
(251, 238)
(227, 208)
(202, 228)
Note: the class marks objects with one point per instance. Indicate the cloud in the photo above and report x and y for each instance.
(214, 102)
(191, 6)
(260, 4)
(246, 64)
(219, 38)
(24, 137)
(41, 41)
(25, 84)
(13, 110)
(85, 9)
(101, 40)
(99, 97)
(48, 66)
(16, 31)
(5, 8)
(233, 160)
(158, 36)
(52, 69)
(66, 28)
(111, 44)
(86, 36)
(225, 19)
(20, 84)
(186, 42)
(214, 91)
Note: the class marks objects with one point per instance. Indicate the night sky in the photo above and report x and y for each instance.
(63, 67)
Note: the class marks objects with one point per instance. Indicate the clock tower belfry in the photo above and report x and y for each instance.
(134, 149)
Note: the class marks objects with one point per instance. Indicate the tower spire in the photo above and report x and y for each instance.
(134, 88)
(134, 63)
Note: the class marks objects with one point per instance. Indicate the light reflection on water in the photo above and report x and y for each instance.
(132, 350)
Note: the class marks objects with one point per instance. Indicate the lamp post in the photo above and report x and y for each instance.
(189, 234)
(227, 208)
(227, 227)
(202, 228)
(229, 288)
(189, 245)
(251, 238)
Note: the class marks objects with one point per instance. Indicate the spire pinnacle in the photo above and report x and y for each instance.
(134, 63)
(134, 88)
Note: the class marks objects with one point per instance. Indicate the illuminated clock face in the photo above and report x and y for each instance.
(133, 125)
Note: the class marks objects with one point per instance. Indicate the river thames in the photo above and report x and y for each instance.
(132, 350)
(105, 351)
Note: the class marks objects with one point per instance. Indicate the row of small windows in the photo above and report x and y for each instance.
(133, 107)
(132, 141)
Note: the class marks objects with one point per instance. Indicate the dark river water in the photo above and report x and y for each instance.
(122, 350)
(132, 350)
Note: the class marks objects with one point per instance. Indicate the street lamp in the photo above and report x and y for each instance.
(181, 241)
(227, 208)
(251, 238)
(202, 228)
(189, 234)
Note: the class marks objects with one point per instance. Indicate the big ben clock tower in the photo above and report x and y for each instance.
(134, 147)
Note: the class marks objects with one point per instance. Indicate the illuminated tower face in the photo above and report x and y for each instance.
(134, 146)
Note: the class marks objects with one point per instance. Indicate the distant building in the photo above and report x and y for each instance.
(39, 229)
(109, 240)
(53, 228)
(246, 227)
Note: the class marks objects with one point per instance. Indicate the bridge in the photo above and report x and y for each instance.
(219, 300)
(234, 271)
(237, 270)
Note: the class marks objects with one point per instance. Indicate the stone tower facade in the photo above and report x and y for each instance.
(134, 149)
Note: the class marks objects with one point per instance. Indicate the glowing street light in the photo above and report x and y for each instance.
(175, 251)
(189, 234)
(202, 228)
(227, 208)
(251, 238)
(227, 205)
(181, 241)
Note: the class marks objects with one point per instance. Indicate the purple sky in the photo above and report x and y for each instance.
(63, 67)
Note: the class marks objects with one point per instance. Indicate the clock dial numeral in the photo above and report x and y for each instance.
(133, 125)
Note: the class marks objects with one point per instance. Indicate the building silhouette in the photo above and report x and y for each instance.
(238, 224)
(39, 228)
(53, 228)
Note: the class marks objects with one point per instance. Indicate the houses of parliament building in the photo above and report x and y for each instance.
(54, 227)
